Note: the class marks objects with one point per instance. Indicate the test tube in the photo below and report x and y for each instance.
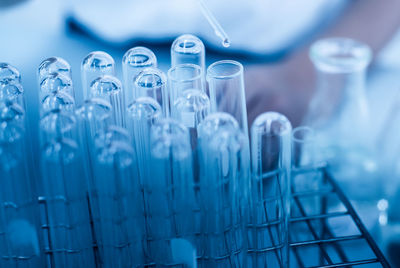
(93, 117)
(65, 192)
(20, 242)
(134, 61)
(270, 185)
(188, 48)
(94, 65)
(109, 88)
(55, 82)
(226, 85)
(152, 82)
(57, 100)
(141, 115)
(10, 91)
(9, 74)
(183, 77)
(191, 109)
(117, 206)
(224, 183)
(303, 147)
(172, 210)
(53, 65)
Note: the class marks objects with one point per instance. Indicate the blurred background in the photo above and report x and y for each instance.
(271, 38)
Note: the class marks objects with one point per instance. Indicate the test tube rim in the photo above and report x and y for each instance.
(17, 77)
(109, 79)
(212, 75)
(147, 101)
(53, 59)
(303, 128)
(186, 65)
(151, 71)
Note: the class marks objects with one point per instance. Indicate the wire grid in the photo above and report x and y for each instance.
(325, 230)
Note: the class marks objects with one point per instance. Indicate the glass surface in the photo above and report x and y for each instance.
(188, 48)
(270, 185)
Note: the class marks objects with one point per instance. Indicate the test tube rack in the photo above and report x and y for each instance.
(325, 230)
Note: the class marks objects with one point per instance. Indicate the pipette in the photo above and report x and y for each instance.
(219, 31)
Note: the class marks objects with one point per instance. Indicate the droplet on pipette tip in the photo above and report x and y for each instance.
(226, 42)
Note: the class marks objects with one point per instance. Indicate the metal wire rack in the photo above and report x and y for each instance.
(325, 230)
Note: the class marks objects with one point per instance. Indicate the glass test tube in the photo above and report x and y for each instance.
(65, 192)
(9, 74)
(152, 82)
(134, 61)
(188, 48)
(227, 94)
(55, 82)
(191, 109)
(20, 242)
(53, 65)
(12, 92)
(141, 115)
(93, 117)
(94, 65)
(270, 184)
(183, 77)
(109, 88)
(172, 209)
(57, 100)
(224, 183)
(117, 206)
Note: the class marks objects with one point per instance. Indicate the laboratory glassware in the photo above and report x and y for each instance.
(64, 192)
(53, 65)
(55, 82)
(339, 114)
(12, 91)
(303, 147)
(117, 207)
(227, 94)
(20, 243)
(270, 190)
(172, 209)
(188, 48)
(224, 185)
(152, 82)
(9, 74)
(93, 118)
(94, 65)
(109, 88)
(133, 62)
(191, 108)
(57, 100)
(141, 115)
(182, 77)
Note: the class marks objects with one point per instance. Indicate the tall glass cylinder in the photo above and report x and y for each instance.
(339, 114)
(226, 85)
(270, 190)
(188, 48)
(141, 116)
(224, 185)
(134, 61)
(152, 82)
(109, 88)
(182, 77)
(20, 232)
(172, 209)
(64, 191)
(94, 65)
(117, 206)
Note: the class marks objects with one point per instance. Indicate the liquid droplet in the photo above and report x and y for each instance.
(226, 42)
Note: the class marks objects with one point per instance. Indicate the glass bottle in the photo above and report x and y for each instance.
(339, 114)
